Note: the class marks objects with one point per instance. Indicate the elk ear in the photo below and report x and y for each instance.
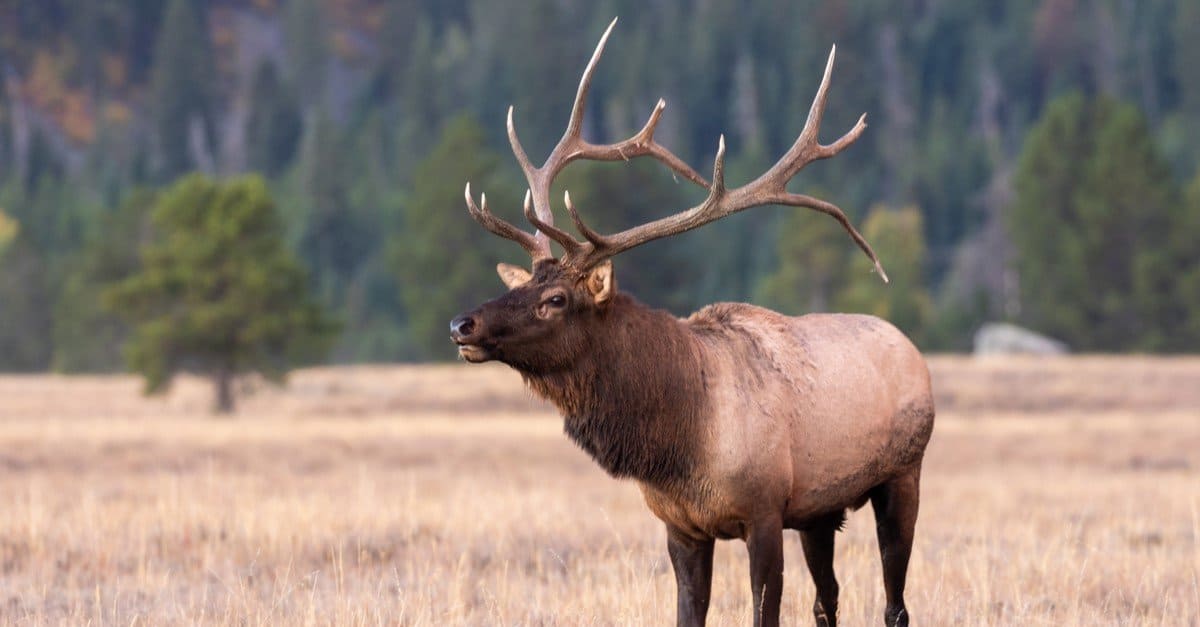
(513, 276)
(600, 282)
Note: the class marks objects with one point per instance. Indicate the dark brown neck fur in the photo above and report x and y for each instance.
(636, 398)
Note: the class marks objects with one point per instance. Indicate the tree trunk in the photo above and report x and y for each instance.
(223, 380)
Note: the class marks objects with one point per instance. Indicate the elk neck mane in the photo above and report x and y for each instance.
(635, 398)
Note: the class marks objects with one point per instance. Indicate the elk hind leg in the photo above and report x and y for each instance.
(895, 504)
(817, 539)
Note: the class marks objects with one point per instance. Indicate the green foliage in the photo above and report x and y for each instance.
(87, 335)
(820, 269)
(444, 260)
(338, 235)
(25, 303)
(181, 89)
(339, 102)
(812, 258)
(1182, 320)
(1095, 207)
(9, 228)
(896, 236)
(615, 196)
(273, 130)
(306, 44)
(218, 293)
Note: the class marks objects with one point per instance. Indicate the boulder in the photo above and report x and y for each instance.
(1001, 338)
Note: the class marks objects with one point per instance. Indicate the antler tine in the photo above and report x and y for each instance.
(586, 231)
(563, 238)
(566, 150)
(812, 125)
(830, 209)
(575, 125)
(536, 249)
(807, 147)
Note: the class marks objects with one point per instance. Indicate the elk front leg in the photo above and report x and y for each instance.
(692, 561)
(765, 543)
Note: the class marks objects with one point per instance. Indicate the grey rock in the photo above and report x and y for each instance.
(1001, 338)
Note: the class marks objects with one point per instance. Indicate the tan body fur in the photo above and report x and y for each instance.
(808, 415)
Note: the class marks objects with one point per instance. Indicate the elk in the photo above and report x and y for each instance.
(736, 422)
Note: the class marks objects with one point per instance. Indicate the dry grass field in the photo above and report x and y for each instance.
(1056, 492)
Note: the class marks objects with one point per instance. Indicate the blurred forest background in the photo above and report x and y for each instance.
(1026, 160)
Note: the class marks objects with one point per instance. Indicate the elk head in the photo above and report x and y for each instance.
(543, 322)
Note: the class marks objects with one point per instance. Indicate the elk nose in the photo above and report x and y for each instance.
(462, 327)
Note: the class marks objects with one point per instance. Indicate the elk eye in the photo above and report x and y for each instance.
(558, 300)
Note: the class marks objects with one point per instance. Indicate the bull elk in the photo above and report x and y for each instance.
(736, 422)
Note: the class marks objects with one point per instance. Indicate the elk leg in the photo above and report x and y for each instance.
(817, 541)
(765, 543)
(895, 504)
(692, 561)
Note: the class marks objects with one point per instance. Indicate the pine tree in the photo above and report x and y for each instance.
(898, 240)
(443, 259)
(25, 302)
(1183, 319)
(182, 89)
(615, 196)
(307, 50)
(87, 336)
(273, 130)
(218, 292)
(1092, 213)
(812, 258)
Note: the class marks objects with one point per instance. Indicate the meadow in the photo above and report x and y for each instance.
(1055, 492)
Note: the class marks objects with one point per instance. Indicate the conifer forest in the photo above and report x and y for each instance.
(1029, 161)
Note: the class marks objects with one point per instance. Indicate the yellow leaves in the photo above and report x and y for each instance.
(117, 113)
(70, 107)
(9, 228)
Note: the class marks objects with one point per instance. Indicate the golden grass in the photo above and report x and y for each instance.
(1061, 492)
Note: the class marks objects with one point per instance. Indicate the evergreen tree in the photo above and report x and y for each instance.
(182, 89)
(443, 259)
(615, 196)
(541, 91)
(87, 336)
(25, 302)
(306, 45)
(898, 240)
(1182, 328)
(1090, 220)
(1181, 133)
(396, 38)
(273, 130)
(218, 292)
(812, 258)
(420, 101)
(336, 236)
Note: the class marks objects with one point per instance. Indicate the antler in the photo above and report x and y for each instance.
(768, 189)
(570, 147)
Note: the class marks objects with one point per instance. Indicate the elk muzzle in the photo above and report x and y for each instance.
(464, 330)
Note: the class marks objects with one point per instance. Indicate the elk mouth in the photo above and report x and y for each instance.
(473, 353)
